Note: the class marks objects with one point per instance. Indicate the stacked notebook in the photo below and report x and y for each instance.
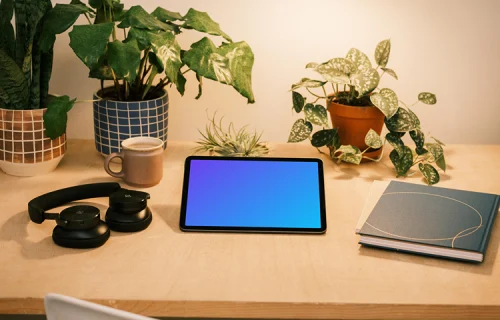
(428, 220)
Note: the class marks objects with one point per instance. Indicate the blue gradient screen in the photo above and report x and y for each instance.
(261, 194)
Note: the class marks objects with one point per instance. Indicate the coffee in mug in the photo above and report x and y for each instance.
(142, 161)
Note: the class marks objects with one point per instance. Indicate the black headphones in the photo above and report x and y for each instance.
(80, 226)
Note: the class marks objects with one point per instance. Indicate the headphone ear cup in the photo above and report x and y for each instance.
(81, 239)
(129, 222)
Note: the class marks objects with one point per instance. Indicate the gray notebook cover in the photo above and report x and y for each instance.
(434, 216)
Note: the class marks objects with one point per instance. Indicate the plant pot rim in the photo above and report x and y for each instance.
(98, 92)
(39, 109)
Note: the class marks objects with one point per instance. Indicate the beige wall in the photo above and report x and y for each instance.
(451, 48)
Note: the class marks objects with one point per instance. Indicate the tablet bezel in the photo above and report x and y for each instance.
(185, 185)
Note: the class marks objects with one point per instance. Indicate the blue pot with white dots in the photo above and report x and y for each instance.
(115, 121)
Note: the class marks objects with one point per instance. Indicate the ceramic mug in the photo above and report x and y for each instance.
(142, 161)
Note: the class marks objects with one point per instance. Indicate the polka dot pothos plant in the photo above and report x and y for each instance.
(360, 82)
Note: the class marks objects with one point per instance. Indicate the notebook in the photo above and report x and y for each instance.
(428, 220)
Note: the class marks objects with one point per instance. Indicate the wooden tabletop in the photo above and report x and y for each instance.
(164, 272)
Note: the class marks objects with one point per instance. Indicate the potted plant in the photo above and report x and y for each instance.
(32, 122)
(359, 109)
(139, 54)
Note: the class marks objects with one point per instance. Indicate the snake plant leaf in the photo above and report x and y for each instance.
(419, 138)
(89, 41)
(139, 18)
(396, 143)
(308, 83)
(301, 130)
(298, 101)
(359, 59)
(311, 65)
(402, 163)
(56, 116)
(429, 172)
(390, 72)
(402, 121)
(372, 139)
(124, 59)
(386, 100)
(324, 137)
(201, 21)
(351, 158)
(427, 98)
(366, 81)
(382, 52)
(58, 20)
(14, 90)
(166, 15)
(231, 64)
(316, 114)
(7, 37)
(336, 70)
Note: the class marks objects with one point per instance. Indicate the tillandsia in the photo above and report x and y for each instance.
(230, 142)
(355, 82)
(137, 51)
(25, 69)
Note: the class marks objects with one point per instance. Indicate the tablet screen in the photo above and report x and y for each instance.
(253, 194)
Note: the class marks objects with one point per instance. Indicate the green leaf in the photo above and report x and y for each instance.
(414, 118)
(427, 98)
(166, 55)
(382, 52)
(348, 149)
(386, 100)
(230, 64)
(202, 22)
(359, 59)
(402, 163)
(137, 17)
(418, 137)
(308, 83)
(429, 172)
(366, 81)
(311, 65)
(165, 15)
(124, 58)
(7, 36)
(336, 70)
(372, 139)
(6, 11)
(89, 42)
(316, 114)
(298, 101)
(441, 163)
(402, 121)
(301, 130)
(351, 158)
(324, 137)
(396, 142)
(390, 72)
(56, 116)
(14, 91)
(58, 20)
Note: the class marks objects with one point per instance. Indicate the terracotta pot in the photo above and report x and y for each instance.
(353, 124)
(25, 150)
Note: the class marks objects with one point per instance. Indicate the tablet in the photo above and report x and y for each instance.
(245, 194)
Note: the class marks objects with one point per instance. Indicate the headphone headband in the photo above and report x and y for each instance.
(38, 206)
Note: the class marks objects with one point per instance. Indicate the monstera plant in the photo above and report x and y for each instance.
(133, 48)
(354, 82)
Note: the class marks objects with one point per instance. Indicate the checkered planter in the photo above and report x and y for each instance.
(115, 121)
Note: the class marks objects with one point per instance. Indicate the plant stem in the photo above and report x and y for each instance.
(186, 71)
(117, 85)
(138, 79)
(125, 86)
(88, 19)
(324, 91)
(124, 34)
(315, 94)
(102, 86)
(153, 74)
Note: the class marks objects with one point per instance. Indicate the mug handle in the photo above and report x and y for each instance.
(108, 159)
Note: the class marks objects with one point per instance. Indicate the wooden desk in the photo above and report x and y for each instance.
(164, 272)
